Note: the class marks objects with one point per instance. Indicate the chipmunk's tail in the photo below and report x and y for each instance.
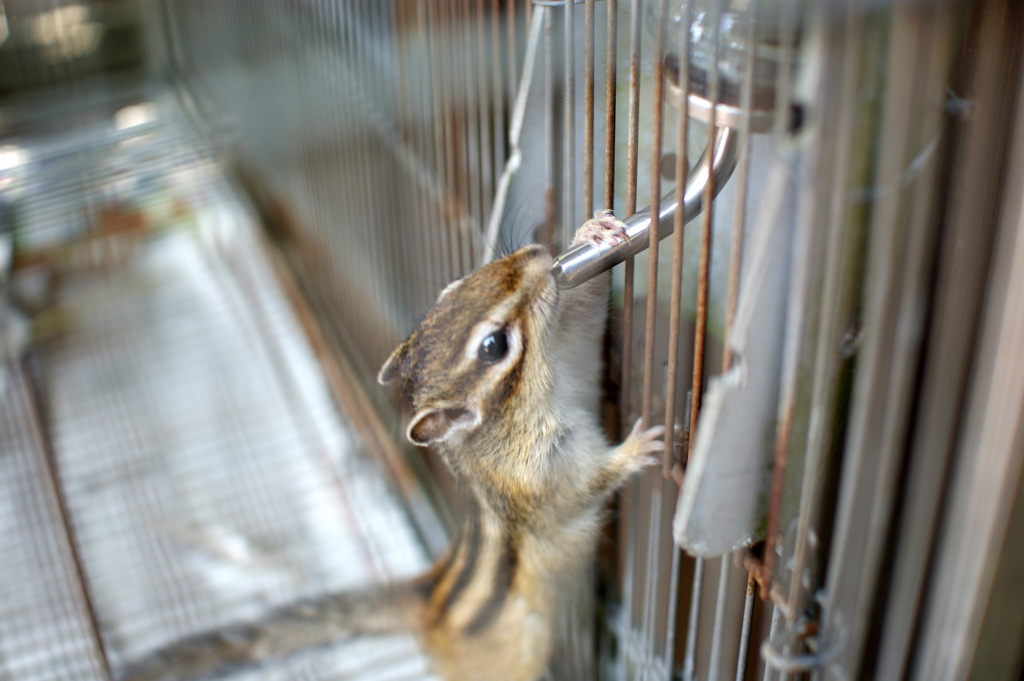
(299, 626)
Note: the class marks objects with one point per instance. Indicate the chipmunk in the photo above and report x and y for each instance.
(502, 378)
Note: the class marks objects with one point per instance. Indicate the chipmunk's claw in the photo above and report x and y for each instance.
(603, 229)
(645, 446)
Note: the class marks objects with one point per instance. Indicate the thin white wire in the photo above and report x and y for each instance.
(490, 244)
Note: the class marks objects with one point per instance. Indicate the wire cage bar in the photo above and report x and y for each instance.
(240, 209)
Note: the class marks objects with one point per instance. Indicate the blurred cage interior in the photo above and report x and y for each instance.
(217, 218)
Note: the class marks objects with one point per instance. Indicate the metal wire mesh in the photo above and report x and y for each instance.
(45, 630)
(211, 410)
(200, 459)
(394, 146)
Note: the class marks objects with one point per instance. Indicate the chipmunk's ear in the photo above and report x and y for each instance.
(437, 424)
(393, 366)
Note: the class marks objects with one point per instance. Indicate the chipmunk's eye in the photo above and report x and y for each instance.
(494, 347)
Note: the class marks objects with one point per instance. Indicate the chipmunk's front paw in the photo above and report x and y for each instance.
(642, 448)
(603, 229)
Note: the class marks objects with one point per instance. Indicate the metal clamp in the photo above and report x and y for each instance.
(584, 261)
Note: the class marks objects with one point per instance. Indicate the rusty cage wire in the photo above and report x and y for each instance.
(220, 216)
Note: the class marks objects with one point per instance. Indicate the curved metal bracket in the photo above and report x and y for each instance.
(584, 261)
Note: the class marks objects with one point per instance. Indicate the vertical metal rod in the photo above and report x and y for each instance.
(497, 104)
(816, 449)
(411, 135)
(654, 532)
(778, 621)
(704, 263)
(490, 84)
(457, 199)
(569, 216)
(780, 455)
(305, 169)
(718, 628)
(369, 205)
(700, 329)
(381, 210)
(484, 161)
(682, 155)
(732, 287)
(650, 328)
(673, 604)
(748, 617)
(588, 109)
(463, 130)
(400, 57)
(741, 184)
(632, 491)
(474, 151)
(631, 164)
(788, 388)
(510, 30)
(422, 283)
(610, 78)
(732, 292)
(550, 211)
(451, 238)
(461, 123)
(387, 250)
(693, 622)
(436, 95)
(428, 136)
(355, 23)
(378, 211)
(422, 140)
(611, 56)
(784, 77)
(409, 64)
(338, 122)
(442, 78)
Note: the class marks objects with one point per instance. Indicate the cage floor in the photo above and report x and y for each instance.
(171, 460)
